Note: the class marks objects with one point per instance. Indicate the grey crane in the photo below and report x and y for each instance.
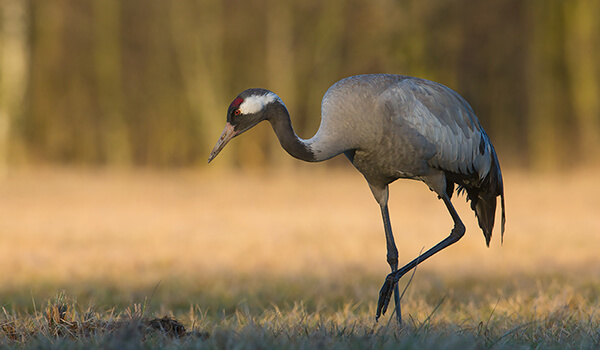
(391, 127)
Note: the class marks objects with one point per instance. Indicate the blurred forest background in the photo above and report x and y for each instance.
(147, 82)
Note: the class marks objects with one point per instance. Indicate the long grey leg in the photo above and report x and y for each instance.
(381, 195)
(391, 282)
(392, 256)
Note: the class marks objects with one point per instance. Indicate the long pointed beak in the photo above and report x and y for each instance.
(227, 134)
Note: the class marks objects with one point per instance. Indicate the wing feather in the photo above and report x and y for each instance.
(446, 121)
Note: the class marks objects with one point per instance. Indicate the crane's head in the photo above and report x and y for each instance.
(246, 110)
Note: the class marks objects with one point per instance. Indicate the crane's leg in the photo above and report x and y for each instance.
(392, 279)
(381, 195)
(392, 256)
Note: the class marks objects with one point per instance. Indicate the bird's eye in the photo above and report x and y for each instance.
(237, 112)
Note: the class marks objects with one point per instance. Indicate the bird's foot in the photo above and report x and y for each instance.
(385, 295)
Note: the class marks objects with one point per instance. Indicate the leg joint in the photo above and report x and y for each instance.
(458, 231)
(393, 262)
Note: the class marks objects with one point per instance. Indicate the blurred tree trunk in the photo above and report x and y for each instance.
(197, 37)
(280, 69)
(107, 59)
(545, 99)
(583, 44)
(324, 60)
(13, 69)
(418, 55)
(45, 115)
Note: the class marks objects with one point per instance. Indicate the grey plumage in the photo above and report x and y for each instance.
(391, 127)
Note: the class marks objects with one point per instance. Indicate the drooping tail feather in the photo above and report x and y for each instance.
(485, 210)
(503, 217)
(483, 200)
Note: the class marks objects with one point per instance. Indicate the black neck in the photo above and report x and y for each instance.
(279, 118)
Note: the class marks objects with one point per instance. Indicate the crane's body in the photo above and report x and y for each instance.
(391, 127)
(401, 127)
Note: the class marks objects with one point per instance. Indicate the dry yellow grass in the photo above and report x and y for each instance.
(288, 259)
(135, 229)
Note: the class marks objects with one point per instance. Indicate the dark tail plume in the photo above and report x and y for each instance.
(483, 200)
(485, 210)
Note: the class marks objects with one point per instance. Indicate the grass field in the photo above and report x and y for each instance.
(214, 259)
